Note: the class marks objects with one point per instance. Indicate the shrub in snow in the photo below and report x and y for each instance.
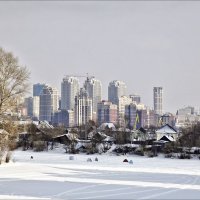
(12, 146)
(107, 146)
(118, 149)
(184, 156)
(150, 154)
(8, 157)
(39, 145)
(100, 148)
(171, 147)
(1, 157)
(96, 159)
(5, 156)
(195, 150)
(171, 155)
(139, 152)
(123, 149)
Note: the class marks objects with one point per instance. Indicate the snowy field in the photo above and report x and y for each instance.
(52, 175)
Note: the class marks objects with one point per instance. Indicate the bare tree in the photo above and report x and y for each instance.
(13, 81)
(13, 85)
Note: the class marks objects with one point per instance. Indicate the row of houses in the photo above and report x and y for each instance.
(108, 134)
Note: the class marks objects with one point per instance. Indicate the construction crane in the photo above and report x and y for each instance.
(80, 76)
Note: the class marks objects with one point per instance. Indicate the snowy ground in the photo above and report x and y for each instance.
(51, 175)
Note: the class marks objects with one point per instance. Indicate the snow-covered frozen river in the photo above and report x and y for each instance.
(52, 175)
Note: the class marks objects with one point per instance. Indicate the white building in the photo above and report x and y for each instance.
(116, 89)
(48, 103)
(69, 89)
(36, 107)
(37, 89)
(123, 101)
(141, 106)
(184, 114)
(83, 108)
(167, 131)
(94, 89)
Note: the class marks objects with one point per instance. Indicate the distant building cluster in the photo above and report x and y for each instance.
(78, 105)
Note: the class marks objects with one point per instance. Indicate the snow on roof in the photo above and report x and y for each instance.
(102, 134)
(44, 124)
(109, 125)
(160, 142)
(167, 137)
(79, 145)
(82, 143)
(122, 129)
(91, 134)
(166, 129)
(70, 136)
(131, 145)
(195, 148)
(35, 122)
(109, 139)
(23, 133)
(60, 136)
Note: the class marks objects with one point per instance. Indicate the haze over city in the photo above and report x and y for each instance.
(144, 44)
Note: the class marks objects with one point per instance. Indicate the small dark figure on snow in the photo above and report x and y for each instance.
(47, 143)
(31, 157)
(96, 159)
(89, 160)
(52, 144)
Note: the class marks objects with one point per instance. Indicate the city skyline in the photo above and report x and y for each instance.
(145, 44)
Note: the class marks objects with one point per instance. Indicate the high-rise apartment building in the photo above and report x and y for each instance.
(94, 89)
(168, 118)
(83, 108)
(63, 118)
(151, 118)
(69, 89)
(142, 118)
(135, 98)
(37, 89)
(123, 101)
(185, 115)
(29, 106)
(130, 115)
(107, 112)
(116, 89)
(158, 100)
(48, 103)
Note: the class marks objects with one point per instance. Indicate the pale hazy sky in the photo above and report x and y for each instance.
(144, 44)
